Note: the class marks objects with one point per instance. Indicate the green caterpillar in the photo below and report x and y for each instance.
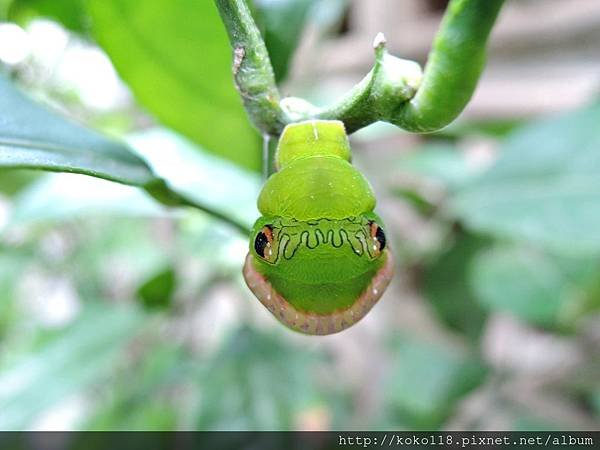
(319, 258)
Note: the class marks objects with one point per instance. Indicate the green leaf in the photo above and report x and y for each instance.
(147, 404)
(12, 181)
(185, 175)
(282, 22)
(542, 289)
(176, 58)
(427, 380)
(32, 137)
(60, 197)
(70, 13)
(237, 389)
(126, 256)
(204, 179)
(544, 188)
(157, 291)
(440, 162)
(4, 5)
(446, 286)
(83, 354)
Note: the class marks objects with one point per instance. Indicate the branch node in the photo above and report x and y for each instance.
(238, 58)
(379, 42)
(395, 90)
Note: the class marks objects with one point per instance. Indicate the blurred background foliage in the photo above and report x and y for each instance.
(119, 313)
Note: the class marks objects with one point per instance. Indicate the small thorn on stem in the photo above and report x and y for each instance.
(379, 42)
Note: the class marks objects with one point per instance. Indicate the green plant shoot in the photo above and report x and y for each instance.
(319, 259)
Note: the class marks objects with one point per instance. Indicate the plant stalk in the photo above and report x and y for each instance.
(395, 90)
(453, 68)
(252, 69)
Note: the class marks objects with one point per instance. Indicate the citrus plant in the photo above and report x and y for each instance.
(133, 271)
(395, 91)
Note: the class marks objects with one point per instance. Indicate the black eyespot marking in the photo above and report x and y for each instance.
(263, 239)
(380, 236)
(260, 243)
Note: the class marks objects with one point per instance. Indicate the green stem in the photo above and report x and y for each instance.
(161, 191)
(394, 91)
(391, 81)
(453, 68)
(252, 70)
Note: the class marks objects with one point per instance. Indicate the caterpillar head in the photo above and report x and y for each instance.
(320, 276)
